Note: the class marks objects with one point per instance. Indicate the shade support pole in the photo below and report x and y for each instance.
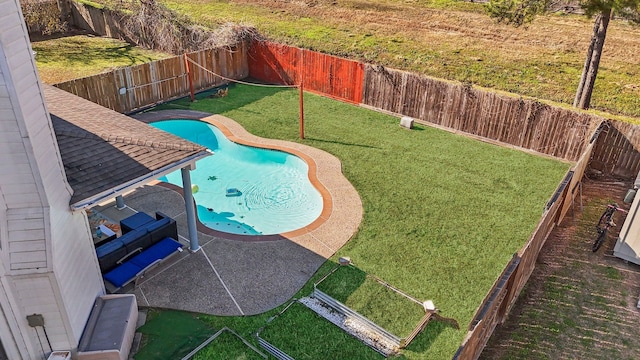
(190, 208)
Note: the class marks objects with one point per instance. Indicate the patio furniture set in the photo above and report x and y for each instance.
(145, 242)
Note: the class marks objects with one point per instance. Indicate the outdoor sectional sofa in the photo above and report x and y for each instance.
(145, 242)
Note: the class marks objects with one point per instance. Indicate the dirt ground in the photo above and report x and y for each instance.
(577, 304)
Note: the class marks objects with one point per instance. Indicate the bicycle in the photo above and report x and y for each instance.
(604, 224)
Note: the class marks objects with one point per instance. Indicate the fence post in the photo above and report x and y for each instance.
(301, 110)
(189, 76)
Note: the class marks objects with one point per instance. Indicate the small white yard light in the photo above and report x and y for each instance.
(428, 305)
(406, 122)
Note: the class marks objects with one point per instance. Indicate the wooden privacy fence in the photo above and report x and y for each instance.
(325, 74)
(100, 21)
(528, 124)
(578, 172)
(505, 291)
(136, 87)
(616, 152)
(524, 123)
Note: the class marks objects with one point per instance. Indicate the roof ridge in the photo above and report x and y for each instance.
(130, 140)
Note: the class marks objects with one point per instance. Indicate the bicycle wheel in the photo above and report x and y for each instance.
(602, 236)
(605, 218)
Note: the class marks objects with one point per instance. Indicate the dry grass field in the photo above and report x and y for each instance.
(78, 55)
(448, 39)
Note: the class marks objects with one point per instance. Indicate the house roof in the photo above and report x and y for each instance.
(106, 153)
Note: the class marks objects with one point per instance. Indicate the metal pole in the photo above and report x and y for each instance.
(120, 202)
(301, 110)
(191, 211)
(190, 76)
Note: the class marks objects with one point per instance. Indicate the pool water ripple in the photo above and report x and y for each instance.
(275, 194)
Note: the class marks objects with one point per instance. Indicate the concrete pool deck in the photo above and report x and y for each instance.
(235, 274)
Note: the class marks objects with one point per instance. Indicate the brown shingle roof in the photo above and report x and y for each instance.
(102, 149)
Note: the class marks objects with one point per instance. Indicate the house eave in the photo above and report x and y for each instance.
(137, 182)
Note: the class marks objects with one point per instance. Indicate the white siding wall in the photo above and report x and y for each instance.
(75, 264)
(26, 245)
(19, 174)
(48, 264)
(29, 291)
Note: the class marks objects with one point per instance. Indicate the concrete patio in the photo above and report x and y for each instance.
(241, 275)
(226, 277)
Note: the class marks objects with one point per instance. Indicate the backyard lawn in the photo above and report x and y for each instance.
(443, 213)
(66, 58)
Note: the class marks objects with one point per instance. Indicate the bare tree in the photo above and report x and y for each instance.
(150, 24)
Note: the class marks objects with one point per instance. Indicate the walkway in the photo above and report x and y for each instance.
(241, 275)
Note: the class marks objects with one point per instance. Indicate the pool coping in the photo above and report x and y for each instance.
(342, 207)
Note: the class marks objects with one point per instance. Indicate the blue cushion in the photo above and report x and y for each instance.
(122, 274)
(137, 220)
(109, 247)
(128, 270)
(132, 236)
(159, 250)
(157, 224)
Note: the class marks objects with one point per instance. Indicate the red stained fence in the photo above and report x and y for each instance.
(524, 123)
(325, 74)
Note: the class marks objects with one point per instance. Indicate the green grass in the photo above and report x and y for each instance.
(91, 3)
(388, 309)
(72, 57)
(612, 273)
(443, 214)
(173, 332)
(304, 335)
(227, 346)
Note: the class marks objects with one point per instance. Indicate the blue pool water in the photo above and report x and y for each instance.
(275, 193)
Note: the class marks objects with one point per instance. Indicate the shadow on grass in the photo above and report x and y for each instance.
(383, 304)
(429, 335)
(302, 334)
(229, 345)
(233, 100)
(175, 334)
(36, 37)
(342, 143)
(86, 49)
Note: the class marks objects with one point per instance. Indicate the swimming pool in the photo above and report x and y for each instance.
(274, 194)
